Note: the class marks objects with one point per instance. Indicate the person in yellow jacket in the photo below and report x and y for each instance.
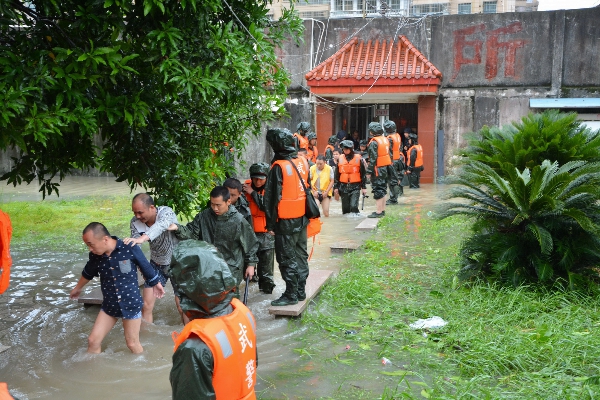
(215, 354)
(321, 183)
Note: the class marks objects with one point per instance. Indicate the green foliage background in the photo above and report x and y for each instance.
(163, 82)
(533, 191)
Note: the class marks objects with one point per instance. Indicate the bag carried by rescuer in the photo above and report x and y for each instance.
(311, 206)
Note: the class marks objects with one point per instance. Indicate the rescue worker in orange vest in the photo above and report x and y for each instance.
(312, 152)
(215, 353)
(5, 264)
(285, 205)
(415, 162)
(300, 139)
(377, 169)
(254, 189)
(350, 178)
(398, 161)
(332, 143)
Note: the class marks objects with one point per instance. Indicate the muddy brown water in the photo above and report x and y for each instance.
(46, 332)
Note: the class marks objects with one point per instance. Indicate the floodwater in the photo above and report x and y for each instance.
(47, 333)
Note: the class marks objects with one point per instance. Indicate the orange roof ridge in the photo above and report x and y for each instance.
(396, 59)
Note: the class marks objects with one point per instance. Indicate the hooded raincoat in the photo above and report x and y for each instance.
(230, 233)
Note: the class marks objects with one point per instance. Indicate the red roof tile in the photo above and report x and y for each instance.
(365, 62)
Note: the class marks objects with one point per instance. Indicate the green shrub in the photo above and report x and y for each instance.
(536, 218)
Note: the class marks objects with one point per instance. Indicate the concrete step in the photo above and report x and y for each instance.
(343, 247)
(367, 224)
(314, 283)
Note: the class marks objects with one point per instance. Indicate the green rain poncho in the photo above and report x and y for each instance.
(230, 233)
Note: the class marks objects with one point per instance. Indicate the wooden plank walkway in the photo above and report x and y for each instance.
(367, 224)
(343, 247)
(314, 283)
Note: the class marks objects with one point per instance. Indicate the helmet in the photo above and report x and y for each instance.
(282, 141)
(259, 170)
(375, 128)
(333, 140)
(311, 135)
(414, 138)
(303, 126)
(203, 278)
(363, 142)
(389, 126)
(348, 144)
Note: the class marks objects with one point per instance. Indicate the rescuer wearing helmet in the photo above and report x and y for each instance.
(254, 189)
(300, 139)
(285, 205)
(312, 152)
(350, 178)
(377, 170)
(415, 162)
(332, 143)
(215, 354)
(398, 161)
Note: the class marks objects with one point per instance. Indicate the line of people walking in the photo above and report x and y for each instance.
(236, 237)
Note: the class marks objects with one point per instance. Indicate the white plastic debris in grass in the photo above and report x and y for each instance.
(429, 323)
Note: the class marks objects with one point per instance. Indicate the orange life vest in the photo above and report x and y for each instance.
(314, 227)
(330, 147)
(349, 171)
(232, 341)
(5, 259)
(4, 393)
(396, 144)
(259, 220)
(419, 160)
(293, 199)
(383, 151)
(302, 141)
(311, 154)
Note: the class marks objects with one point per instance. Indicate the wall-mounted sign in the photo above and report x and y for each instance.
(382, 112)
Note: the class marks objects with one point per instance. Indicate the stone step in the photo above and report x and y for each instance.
(314, 283)
(343, 247)
(367, 224)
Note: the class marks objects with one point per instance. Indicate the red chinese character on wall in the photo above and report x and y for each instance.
(493, 45)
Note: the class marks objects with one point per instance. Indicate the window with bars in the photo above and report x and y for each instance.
(464, 8)
(489, 7)
(424, 9)
(343, 5)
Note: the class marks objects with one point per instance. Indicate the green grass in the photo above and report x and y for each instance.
(500, 342)
(57, 224)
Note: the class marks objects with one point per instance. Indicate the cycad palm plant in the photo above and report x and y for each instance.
(539, 222)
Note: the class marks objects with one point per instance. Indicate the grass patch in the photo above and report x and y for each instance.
(57, 224)
(500, 342)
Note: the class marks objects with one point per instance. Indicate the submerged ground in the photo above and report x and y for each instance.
(524, 343)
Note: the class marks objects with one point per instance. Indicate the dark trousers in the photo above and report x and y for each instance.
(350, 194)
(264, 269)
(292, 257)
(415, 178)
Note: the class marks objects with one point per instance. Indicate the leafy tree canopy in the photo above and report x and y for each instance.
(156, 92)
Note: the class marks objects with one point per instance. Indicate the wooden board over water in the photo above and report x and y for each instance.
(368, 224)
(343, 247)
(314, 283)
